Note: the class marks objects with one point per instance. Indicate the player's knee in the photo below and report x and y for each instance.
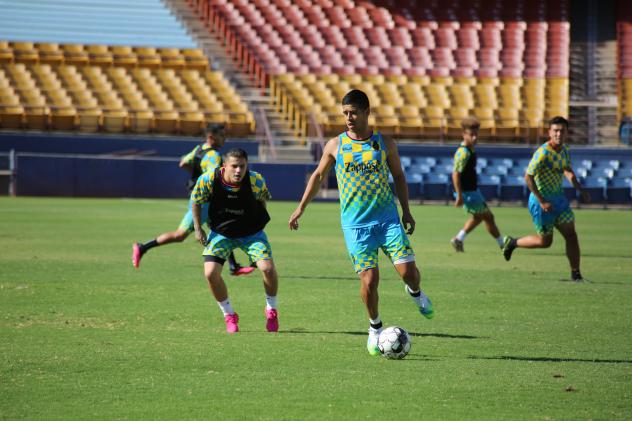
(546, 241)
(268, 271)
(180, 236)
(369, 281)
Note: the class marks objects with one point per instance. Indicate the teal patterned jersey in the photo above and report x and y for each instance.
(547, 167)
(204, 187)
(210, 161)
(362, 173)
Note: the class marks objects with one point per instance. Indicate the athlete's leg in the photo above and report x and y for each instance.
(572, 244)
(176, 236)
(535, 241)
(270, 276)
(472, 223)
(369, 281)
(490, 224)
(412, 278)
(410, 274)
(258, 249)
(213, 275)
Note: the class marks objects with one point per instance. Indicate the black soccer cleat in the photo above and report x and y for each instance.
(508, 247)
(576, 276)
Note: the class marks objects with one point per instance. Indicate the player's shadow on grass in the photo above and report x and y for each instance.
(363, 333)
(552, 359)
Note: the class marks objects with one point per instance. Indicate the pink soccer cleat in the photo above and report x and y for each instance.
(136, 255)
(242, 270)
(231, 323)
(272, 320)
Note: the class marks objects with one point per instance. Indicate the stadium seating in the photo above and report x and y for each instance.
(506, 64)
(115, 89)
(607, 180)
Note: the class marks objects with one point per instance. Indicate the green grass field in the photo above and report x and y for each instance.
(83, 335)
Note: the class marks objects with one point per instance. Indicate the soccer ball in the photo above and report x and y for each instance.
(394, 343)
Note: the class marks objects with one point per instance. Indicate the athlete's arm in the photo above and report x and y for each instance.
(186, 161)
(572, 178)
(200, 194)
(200, 235)
(530, 180)
(315, 181)
(456, 181)
(401, 188)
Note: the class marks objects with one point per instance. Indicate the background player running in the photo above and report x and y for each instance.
(466, 192)
(548, 205)
(204, 157)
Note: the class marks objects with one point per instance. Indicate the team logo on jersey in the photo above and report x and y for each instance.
(362, 167)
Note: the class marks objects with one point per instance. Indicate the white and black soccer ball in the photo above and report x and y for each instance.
(394, 343)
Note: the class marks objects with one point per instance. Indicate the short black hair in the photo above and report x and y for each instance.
(214, 128)
(558, 120)
(236, 153)
(357, 98)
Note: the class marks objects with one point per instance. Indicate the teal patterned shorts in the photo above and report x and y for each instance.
(256, 246)
(474, 202)
(363, 244)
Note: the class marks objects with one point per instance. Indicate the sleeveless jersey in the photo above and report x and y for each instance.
(465, 165)
(362, 174)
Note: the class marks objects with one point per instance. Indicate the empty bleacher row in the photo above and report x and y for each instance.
(505, 63)
(429, 178)
(414, 106)
(114, 89)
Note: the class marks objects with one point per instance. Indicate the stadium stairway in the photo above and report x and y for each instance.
(286, 148)
(593, 84)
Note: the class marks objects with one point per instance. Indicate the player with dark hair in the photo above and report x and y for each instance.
(204, 157)
(369, 216)
(466, 192)
(235, 199)
(548, 205)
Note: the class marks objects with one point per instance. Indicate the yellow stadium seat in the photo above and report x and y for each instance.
(191, 123)
(6, 52)
(64, 118)
(24, 52)
(75, 54)
(434, 120)
(195, 59)
(124, 56)
(410, 121)
(11, 116)
(148, 57)
(386, 120)
(141, 121)
(115, 121)
(49, 53)
(166, 121)
(90, 120)
(172, 58)
(36, 117)
(100, 55)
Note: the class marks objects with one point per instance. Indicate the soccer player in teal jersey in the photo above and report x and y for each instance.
(466, 192)
(235, 199)
(202, 158)
(369, 217)
(548, 205)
